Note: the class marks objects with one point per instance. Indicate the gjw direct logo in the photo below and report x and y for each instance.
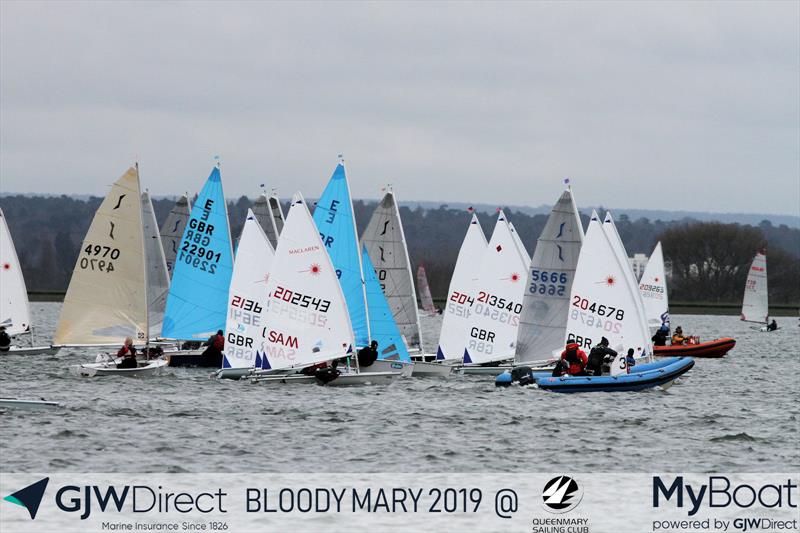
(30, 497)
(561, 494)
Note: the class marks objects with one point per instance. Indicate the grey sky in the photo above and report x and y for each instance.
(692, 105)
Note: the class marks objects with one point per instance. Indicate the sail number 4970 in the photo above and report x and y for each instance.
(99, 258)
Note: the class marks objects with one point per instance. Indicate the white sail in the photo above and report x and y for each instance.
(545, 306)
(106, 300)
(306, 318)
(460, 299)
(277, 213)
(263, 213)
(172, 231)
(425, 297)
(15, 312)
(653, 287)
(157, 274)
(498, 299)
(386, 245)
(755, 307)
(631, 283)
(523, 252)
(247, 296)
(601, 304)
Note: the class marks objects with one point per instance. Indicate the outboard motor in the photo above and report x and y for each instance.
(522, 375)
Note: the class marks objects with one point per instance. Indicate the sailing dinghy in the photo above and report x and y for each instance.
(755, 305)
(335, 220)
(15, 314)
(543, 320)
(494, 320)
(247, 298)
(157, 272)
(172, 231)
(653, 287)
(107, 298)
(269, 215)
(197, 302)
(385, 243)
(306, 315)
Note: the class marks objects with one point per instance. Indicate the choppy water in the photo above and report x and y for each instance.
(740, 413)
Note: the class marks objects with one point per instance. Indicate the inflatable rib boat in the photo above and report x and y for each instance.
(715, 348)
(644, 376)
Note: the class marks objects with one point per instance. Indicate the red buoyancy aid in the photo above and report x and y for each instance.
(578, 360)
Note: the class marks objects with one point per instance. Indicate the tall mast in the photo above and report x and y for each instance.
(144, 262)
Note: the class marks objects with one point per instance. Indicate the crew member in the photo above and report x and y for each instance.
(368, 355)
(660, 338)
(772, 326)
(212, 355)
(597, 356)
(678, 338)
(629, 359)
(128, 354)
(573, 361)
(5, 340)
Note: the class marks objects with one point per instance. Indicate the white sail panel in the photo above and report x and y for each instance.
(630, 282)
(263, 213)
(247, 296)
(460, 299)
(601, 304)
(157, 275)
(306, 314)
(498, 298)
(172, 231)
(15, 312)
(523, 252)
(425, 297)
(545, 306)
(755, 306)
(386, 245)
(653, 287)
(106, 300)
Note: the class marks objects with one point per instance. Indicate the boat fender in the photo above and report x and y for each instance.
(503, 380)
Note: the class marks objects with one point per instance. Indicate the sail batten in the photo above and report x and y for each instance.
(198, 295)
(106, 300)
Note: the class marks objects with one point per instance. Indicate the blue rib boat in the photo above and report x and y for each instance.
(643, 376)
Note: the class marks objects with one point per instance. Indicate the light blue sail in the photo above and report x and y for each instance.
(334, 219)
(198, 295)
(382, 326)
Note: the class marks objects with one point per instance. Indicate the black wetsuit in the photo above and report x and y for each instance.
(660, 338)
(596, 357)
(128, 362)
(5, 342)
(366, 356)
(772, 326)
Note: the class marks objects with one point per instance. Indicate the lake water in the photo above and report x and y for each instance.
(736, 414)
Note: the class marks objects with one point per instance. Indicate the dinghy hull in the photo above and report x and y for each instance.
(192, 358)
(432, 370)
(31, 405)
(711, 349)
(148, 368)
(343, 380)
(385, 365)
(661, 373)
(32, 350)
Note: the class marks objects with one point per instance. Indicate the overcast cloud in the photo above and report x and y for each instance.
(692, 106)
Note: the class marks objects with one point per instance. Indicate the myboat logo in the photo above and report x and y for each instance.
(30, 497)
(561, 495)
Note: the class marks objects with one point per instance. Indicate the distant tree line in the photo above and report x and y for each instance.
(709, 260)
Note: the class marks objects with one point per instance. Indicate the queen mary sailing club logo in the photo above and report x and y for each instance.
(561, 494)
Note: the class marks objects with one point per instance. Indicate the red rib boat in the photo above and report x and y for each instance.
(715, 348)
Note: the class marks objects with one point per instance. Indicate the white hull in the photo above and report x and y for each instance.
(476, 370)
(32, 350)
(107, 368)
(232, 373)
(33, 405)
(383, 365)
(428, 370)
(344, 380)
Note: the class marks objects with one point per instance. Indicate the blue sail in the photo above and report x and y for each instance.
(337, 227)
(197, 304)
(382, 326)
